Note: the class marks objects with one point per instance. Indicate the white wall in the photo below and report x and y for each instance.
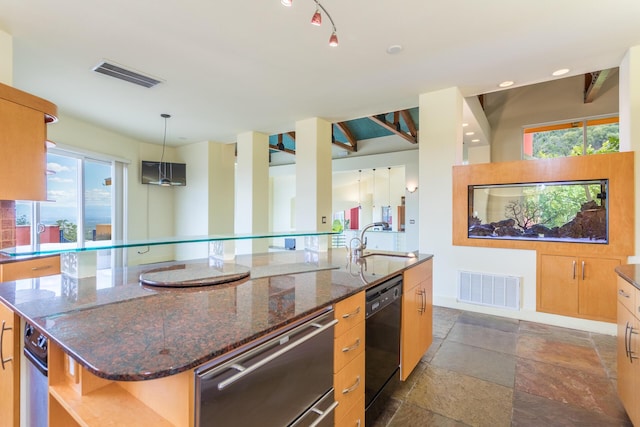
(6, 54)
(509, 111)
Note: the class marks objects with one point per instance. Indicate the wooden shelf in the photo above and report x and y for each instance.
(109, 405)
(79, 398)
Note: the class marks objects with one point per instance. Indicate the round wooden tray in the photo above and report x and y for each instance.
(193, 275)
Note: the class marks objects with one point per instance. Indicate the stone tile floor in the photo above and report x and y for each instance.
(491, 371)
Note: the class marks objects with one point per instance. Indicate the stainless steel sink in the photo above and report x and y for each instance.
(390, 253)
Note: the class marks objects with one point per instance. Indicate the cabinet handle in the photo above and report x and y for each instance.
(351, 347)
(631, 356)
(582, 270)
(623, 293)
(2, 359)
(44, 267)
(421, 292)
(626, 343)
(353, 387)
(574, 269)
(353, 313)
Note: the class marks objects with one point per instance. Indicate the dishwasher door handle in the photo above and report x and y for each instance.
(323, 414)
(246, 371)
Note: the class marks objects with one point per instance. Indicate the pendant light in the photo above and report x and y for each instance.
(389, 189)
(359, 180)
(373, 198)
(162, 177)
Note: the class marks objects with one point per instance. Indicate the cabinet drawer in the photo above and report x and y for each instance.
(627, 295)
(348, 346)
(349, 386)
(349, 313)
(27, 269)
(354, 417)
(417, 274)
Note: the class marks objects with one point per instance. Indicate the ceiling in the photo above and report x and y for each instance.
(254, 65)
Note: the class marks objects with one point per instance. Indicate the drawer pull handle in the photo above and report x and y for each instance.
(351, 347)
(623, 293)
(323, 414)
(44, 267)
(2, 359)
(353, 313)
(574, 269)
(353, 387)
(582, 270)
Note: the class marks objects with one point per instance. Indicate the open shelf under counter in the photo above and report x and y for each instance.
(79, 398)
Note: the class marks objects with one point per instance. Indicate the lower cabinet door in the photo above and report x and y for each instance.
(9, 369)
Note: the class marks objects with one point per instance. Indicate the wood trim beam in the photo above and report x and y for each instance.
(593, 83)
(280, 145)
(353, 142)
(392, 128)
(406, 116)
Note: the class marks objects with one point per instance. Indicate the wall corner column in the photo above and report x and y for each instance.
(313, 177)
(252, 203)
(629, 113)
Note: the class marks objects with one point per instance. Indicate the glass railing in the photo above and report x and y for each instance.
(119, 244)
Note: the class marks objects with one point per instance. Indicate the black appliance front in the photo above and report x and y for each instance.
(382, 349)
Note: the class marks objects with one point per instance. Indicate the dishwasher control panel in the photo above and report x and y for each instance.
(35, 347)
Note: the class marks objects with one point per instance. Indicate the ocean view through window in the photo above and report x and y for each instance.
(80, 204)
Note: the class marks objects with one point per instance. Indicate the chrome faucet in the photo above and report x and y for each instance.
(358, 251)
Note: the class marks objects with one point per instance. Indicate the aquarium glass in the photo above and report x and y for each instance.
(574, 211)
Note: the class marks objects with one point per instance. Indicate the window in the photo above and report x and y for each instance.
(83, 207)
(592, 136)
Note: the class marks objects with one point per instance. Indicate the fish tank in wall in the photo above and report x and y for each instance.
(572, 211)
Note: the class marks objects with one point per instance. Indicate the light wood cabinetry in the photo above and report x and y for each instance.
(577, 286)
(348, 361)
(401, 218)
(79, 398)
(629, 349)
(36, 267)
(416, 330)
(23, 119)
(9, 368)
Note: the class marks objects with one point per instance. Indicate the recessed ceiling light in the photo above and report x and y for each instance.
(506, 83)
(560, 72)
(475, 140)
(464, 125)
(470, 133)
(394, 49)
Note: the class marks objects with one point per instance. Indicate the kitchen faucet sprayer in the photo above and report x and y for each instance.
(362, 240)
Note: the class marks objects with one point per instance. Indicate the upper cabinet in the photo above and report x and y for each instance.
(23, 120)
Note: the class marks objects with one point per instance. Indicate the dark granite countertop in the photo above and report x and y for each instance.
(121, 330)
(630, 273)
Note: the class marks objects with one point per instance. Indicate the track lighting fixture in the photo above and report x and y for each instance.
(316, 20)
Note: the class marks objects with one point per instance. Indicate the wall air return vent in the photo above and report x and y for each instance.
(119, 72)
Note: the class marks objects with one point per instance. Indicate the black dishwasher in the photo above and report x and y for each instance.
(382, 348)
(35, 350)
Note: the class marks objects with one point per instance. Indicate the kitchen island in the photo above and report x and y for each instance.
(151, 338)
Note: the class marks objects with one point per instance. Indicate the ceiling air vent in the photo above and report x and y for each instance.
(121, 73)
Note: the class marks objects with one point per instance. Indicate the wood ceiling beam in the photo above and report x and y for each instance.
(593, 83)
(408, 120)
(391, 127)
(353, 142)
(280, 146)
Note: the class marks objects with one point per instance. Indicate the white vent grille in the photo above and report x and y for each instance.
(121, 73)
(489, 289)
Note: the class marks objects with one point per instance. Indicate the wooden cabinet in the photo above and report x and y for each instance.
(23, 119)
(629, 349)
(401, 220)
(79, 398)
(416, 330)
(578, 286)
(9, 368)
(35, 267)
(348, 361)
